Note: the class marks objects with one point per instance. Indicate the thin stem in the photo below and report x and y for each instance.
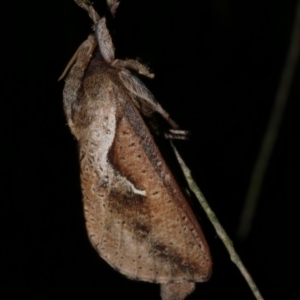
(271, 133)
(218, 227)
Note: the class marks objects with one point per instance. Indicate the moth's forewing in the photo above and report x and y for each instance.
(137, 218)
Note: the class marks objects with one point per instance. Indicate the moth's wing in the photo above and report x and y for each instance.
(144, 96)
(170, 246)
(176, 291)
(136, 216)
(80, 61)
(146, 103)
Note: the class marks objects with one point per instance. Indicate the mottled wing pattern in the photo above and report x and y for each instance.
(136, 216)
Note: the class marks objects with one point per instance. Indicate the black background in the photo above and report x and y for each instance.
(217, 66)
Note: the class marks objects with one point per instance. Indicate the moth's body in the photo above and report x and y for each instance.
(136, 216)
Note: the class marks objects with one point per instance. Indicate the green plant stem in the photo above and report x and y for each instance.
(272, 130)
(218, 227)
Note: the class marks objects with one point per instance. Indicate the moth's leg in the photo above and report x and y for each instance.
(133, 64)
(105, 43)
(84, 50)
(113, 6)
(138, 89)
(106, 46)
(90, 9)
(69, 65)
(159, 128)
(175, 134)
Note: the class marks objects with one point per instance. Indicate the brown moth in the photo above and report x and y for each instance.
(137, 218)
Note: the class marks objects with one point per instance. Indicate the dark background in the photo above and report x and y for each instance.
(217, 66)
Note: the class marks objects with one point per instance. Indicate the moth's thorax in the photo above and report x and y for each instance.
(98, 66)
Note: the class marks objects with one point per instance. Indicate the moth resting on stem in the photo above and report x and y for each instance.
(137, 218)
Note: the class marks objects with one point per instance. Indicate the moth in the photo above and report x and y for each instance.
(137, 218)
